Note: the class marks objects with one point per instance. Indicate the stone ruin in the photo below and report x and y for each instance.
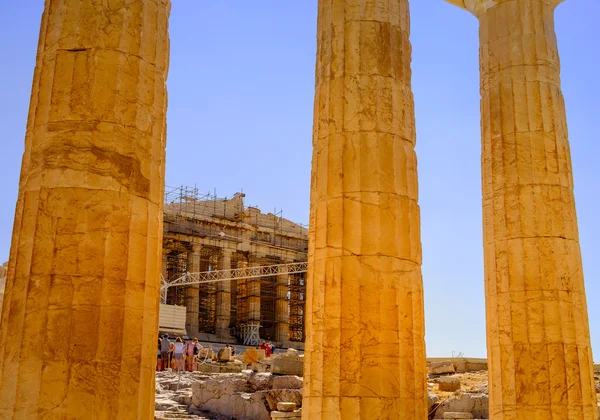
(86, 252)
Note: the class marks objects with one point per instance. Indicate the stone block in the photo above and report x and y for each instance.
(287, 382)
(286, 406)
(439, 368)
(285, 366)
(258, 367)
(449, 384)
(250, 356)
(455, 415)
(476, 404)
(261, 354)
(275, 396)
(286, 415)
(224, 355)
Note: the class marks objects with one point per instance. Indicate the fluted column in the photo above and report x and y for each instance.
(79, 324)
(253, 286)
(365, 351)
(537, 327)
(282, 309)
(192, 293)
(223, 309)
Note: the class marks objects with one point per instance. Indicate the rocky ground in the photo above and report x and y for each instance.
(222, 396)
(251, 396)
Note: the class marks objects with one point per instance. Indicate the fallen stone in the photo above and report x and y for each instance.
(287, 382)
(260, 381)
(431, 400)
(286, 415)
(224, 355)
(439, 368)
(454, 415)
(250, 356)
(287, 366)
(476, 404)
(286, 406)
(276, 396)
(449, 384)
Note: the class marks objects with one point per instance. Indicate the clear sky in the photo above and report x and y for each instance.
(241, 87)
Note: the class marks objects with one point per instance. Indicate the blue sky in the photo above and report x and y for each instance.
(241, 87)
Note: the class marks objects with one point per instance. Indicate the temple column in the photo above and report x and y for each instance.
(539, 354)
(192, 294)
(253, 286)
(365, 350)
(80, 316)
(282, 309)
(224, 299)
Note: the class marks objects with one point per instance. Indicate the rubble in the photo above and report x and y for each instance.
(449, 384)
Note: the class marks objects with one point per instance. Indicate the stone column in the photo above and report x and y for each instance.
(192, 294)
(365, 351)
(253, 286)
(538, 340)
(282, 309)
(79, 324)
(224, 299)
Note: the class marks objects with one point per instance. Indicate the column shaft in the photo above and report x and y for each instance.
(254, 297)
(537, 326)
(365, 351)
(79, 324)
(224, 299)
(282, 309)
(192, 294)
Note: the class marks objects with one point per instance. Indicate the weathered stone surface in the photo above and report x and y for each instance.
(261, 381)
(286, 415)
(286, 406)
(439, 368)
(449, 384)
(229, 396)
(80, 314)
(539, 352)
(251, 356)
(283, 366)
(364, 246)
(276, 396)
(454, 415)
(431, 400)
(476, 404)
(287, 382)
(224, 355)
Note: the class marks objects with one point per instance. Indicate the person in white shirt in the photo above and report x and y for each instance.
(178, 353)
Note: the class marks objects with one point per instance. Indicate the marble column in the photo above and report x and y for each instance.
(192, 293)
(223, 310)
(538, 339)
(365, 351)
(253, 286)
(79, 323)
(282, 309)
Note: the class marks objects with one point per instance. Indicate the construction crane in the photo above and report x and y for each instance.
(230, 274)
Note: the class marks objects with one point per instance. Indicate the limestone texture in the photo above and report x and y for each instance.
(538, 340)
(365, 351)
(80, 315)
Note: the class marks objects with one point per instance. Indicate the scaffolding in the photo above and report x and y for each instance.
(196, 227)
(297, 302)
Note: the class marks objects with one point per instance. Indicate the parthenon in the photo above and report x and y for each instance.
(204, 233)
(92, 229)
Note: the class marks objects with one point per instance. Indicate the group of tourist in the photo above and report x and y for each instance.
(267, 347)
(178, 355)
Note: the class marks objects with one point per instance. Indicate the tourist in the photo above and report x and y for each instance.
(267, 348)
(190, 350)
(158, 358)
(178, 354)
(165, 345)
